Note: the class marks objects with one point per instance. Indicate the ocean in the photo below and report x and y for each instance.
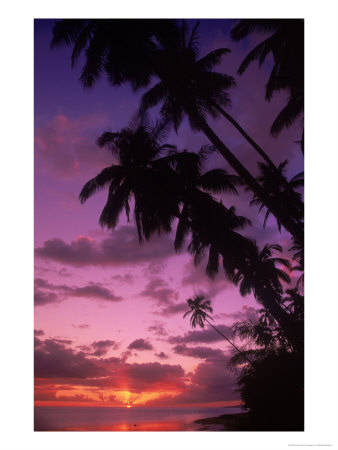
(57, 418)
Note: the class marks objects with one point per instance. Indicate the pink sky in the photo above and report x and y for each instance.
(108, 312)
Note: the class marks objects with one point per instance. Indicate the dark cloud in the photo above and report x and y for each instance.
(102, 347)
(39, 332)
(246, 313)
(46, 292)
(199, 352)
(126, 278)
(53, 359)
(206, 335)
(140, 344)
(82, 326)
(161, 355)
(170, 310)
(122, 247)
(158, 290)
(160, 376)
(158, 329)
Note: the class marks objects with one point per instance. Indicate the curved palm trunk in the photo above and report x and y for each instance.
(248, 138)
(234, 346)
(295, 229)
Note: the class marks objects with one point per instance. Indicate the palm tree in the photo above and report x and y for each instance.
(154, 191)
(260, 276)
(199, 308)
(187, 86)
(282, 191)
(286, 44)
(164, 50)
(100, 40)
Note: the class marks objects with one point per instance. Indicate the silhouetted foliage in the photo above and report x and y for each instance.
(286, 44)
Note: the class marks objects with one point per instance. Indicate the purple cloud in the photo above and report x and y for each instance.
(207, 335)
(102, 347)
(46, 292)
(39, 332)
(122, 247)
(161, 355)
(159, 291)
(140, 344)
(53, 359)
(199, 352)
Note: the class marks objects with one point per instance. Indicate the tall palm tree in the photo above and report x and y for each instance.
(282, 191)
(260, 276)
(199, 308)
(164, 50)
(154, 191)
(100, 40)
(286, 44)
(187, 86)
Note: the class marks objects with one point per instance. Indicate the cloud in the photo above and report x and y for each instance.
(211, 381)
(172, 309)
(207, 335)
(161, 355)
(66, 148)
(58, 365)
(158, 329)
(82, 326)
(39, 332)
(126, 278)
(199, 352)
(53, 359)
(122, 247)
(140, 344)
(102, 347)
(246, 313)
(158, 290)
(46, 292)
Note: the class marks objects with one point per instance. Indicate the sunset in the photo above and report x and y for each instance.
(112, 281)
(169, 289)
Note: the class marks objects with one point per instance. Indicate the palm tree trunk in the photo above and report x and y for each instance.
(248, 138)
(295, 229)
(234, 346)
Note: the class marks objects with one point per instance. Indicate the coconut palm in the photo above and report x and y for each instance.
(153, 190)
(286, 44)
(281, 191)
(188, 87)
(164, 50)
(261, 276)
(199, 309)
(100, 41)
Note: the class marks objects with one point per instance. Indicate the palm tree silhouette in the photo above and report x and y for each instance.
(282, 191)
(187, 86)
(136, 148)
(199, 308)
(260, 276)
(163, 49)
(100, 40)
(286, 44)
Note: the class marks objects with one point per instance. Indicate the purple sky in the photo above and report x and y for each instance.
(95, 287)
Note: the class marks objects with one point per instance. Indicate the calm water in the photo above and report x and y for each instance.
(123, 419)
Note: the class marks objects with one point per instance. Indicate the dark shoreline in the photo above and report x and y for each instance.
(225, 422)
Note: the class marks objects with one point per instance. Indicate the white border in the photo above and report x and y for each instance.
(17, 222)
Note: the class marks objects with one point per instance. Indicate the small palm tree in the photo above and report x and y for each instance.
(199, 308)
